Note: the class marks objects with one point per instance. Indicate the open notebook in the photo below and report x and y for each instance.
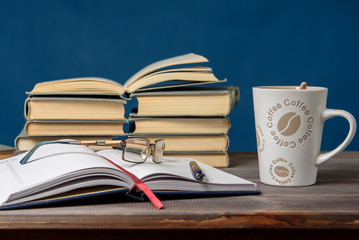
(57, 169)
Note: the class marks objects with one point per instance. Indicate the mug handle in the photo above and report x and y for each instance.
(327, 114)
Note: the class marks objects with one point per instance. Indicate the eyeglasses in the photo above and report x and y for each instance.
(135, 150)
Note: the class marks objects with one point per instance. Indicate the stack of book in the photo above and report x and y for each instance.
(193, 121)
(84, 115)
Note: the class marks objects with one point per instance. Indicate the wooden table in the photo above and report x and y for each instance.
(330, 209)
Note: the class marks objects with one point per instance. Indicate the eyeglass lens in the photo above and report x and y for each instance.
(159, 147)
(136, 150)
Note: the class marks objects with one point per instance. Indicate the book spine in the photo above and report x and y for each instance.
(27, 108)
(233, 99)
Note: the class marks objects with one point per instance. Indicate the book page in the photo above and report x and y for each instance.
(48, 166)
(181, 69)
(149, 168)
(84, 85)
(172, 76)
(183, 59)
(175, 174)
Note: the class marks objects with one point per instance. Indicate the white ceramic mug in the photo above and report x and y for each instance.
(289, 125)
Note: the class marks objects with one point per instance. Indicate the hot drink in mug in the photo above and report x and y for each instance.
(289, 124)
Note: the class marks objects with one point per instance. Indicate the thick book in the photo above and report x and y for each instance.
(209, 101)
(74, 108)
(182, 125)
(57, 169)
(24, 142)
(6, 151)
(211, 158)
(173, 72)
(191, 143)
(74, 128)
(209, 149)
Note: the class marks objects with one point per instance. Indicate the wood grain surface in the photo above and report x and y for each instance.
(331, 204)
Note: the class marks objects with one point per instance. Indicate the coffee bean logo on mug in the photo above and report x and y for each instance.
(289, 126)
(287, 119)
(289, 123)
(281, 171)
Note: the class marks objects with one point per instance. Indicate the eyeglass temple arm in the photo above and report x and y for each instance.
(28, 155)
(112, 143)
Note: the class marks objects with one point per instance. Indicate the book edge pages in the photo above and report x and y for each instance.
(178, 60)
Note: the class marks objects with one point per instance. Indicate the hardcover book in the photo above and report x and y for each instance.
(74, 108)
(211, 158)
(74, 128)
(209, 101)
(209, 149)
(191, 143)
(183, 125)
(6, 151)
(24, 142)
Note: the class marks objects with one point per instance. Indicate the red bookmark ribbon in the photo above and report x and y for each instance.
(151, 196)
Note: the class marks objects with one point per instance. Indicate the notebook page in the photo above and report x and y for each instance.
(49, 163)
(177, 167)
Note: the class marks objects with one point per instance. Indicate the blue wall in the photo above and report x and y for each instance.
(250, 43)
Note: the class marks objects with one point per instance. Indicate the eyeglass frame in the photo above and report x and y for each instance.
(115, 143)
(152, 150)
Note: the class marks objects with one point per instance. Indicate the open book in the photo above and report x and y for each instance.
(56, 169)
(177, 71)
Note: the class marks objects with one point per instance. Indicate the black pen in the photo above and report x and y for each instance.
(196, 171)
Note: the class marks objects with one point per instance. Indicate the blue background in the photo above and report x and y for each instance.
(250, 43)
